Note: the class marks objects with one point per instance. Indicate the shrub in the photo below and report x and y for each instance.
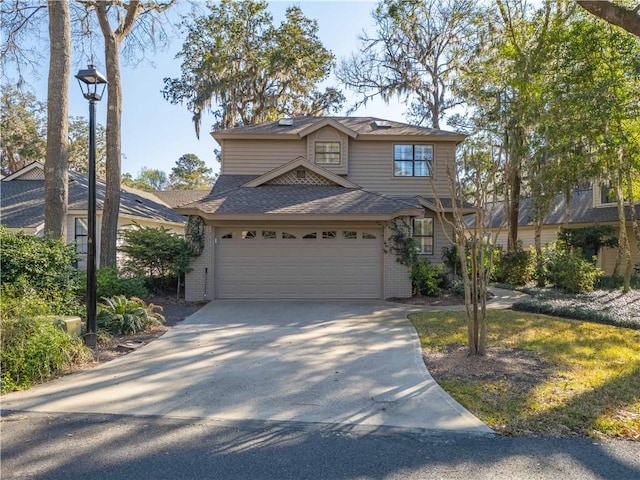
(515, 268)
(110, 283)
(427, 279)
(157, 254)
(614, 283)
(33, 351)
(121, 315)
(571, 273)
(39, 267)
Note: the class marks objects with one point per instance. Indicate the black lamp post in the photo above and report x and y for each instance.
(92, 83)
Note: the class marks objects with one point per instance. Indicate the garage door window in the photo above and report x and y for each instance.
(269, 234)
(227, 235)
(368, 236)
(288, 236)
(329, 235)
(249, 234)
(350, 235)
(310, 235)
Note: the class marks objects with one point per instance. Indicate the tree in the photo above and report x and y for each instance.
(474, 240)
(22, 130)
(55, 165)
(416, 55)
(191, 173)
(627, 18)
(157, 254)
(597, 85)
(254, 71)
(503, 88)
(79, 146)
(125, 17)
(148, 179)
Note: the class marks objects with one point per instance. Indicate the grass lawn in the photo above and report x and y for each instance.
(542, 375)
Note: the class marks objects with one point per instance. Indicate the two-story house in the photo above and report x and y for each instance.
(304, 208)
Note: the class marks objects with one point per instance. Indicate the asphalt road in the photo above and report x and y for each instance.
(91, 446)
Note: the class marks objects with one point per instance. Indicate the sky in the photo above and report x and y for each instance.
(155, 133)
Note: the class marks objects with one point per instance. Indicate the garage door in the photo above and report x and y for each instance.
(298, 263)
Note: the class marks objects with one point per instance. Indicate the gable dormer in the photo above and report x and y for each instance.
(329, 148)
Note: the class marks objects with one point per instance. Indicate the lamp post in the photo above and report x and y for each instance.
(92, 83)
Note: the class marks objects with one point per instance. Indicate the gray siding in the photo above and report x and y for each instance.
(371, 167)
(256, 157)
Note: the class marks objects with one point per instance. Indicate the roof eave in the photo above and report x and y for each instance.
(306, 217)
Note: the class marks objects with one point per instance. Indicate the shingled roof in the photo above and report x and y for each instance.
(230, 197)
(22, 202)
(369, 127)
(176, 198)
(582, 211)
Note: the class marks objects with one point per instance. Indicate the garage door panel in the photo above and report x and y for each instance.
(298, 268)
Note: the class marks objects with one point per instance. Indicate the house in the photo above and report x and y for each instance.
(590, 205)
(305, 207)
(22, 207)
(177, 198)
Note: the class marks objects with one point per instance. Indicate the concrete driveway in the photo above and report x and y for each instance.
(354, 363)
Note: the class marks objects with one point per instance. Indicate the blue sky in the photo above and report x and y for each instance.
(155, 133)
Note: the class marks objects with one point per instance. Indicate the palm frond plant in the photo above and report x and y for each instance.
(120, 315)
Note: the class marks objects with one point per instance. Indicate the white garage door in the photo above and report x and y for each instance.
(298, 263)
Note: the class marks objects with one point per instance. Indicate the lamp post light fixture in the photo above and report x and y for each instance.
(92, 83)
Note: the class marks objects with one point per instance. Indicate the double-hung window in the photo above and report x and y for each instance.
(412, 160)
(423, 235)
(80, 236)
(328, 153)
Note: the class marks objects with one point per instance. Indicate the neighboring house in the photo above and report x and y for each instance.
(304, 208)
(22, 207)
(590, 205)
(177, 198)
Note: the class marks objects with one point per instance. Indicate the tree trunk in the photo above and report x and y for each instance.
(111, 206)
(624, 252)
(514, 209)
(55, 165)
(634, 218)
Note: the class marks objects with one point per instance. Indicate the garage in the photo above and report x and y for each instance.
(323, 262)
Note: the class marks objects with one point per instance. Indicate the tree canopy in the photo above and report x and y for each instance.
(22, 129)
(245, 69)
(191, 173)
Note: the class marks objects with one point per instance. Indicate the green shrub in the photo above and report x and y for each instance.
(22, 302)
(155, 252)
(614, 283)
(571, 273)
(39, 267)
(427, 279)
(33, 351)
(515, 268)
(121, 315)
(110, 283)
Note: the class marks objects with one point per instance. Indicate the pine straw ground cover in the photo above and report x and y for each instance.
(542, 376)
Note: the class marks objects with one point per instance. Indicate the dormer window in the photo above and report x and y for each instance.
(327, 153)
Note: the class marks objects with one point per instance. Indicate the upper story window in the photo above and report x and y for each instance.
(328, 153)
(423, 235)
(607, 195)
(412, 160)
